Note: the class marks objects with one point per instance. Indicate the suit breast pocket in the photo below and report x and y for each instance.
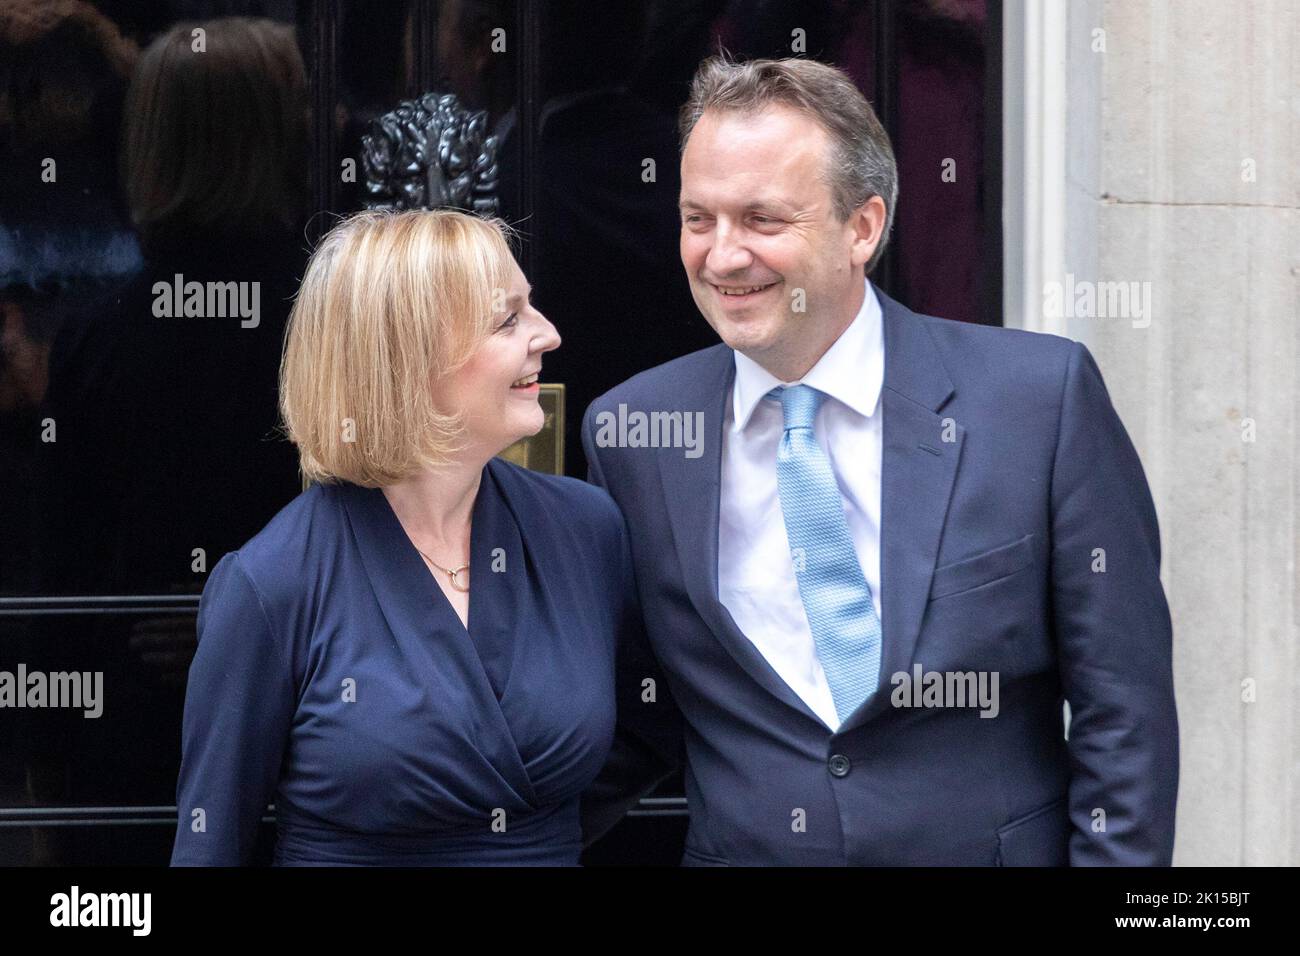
(981, 569)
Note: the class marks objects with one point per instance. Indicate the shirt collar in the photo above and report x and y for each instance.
(851, 371)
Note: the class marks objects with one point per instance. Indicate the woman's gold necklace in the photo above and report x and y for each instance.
(453, 574)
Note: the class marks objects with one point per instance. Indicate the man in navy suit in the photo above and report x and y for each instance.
(876, 551)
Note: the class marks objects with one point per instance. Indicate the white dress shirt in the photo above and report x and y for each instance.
(756, 580)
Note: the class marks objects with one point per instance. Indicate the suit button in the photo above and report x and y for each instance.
(839, 765)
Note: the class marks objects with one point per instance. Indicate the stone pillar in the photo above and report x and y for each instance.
(1178, 165)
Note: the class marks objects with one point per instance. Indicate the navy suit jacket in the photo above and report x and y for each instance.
(1018, 537)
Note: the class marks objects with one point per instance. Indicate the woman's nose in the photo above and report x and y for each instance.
(549, 338)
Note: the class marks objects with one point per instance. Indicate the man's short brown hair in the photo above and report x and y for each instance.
(861, 164)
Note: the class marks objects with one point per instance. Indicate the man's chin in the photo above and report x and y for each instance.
(745, 337)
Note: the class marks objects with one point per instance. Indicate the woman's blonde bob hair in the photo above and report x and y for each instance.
(390, 303)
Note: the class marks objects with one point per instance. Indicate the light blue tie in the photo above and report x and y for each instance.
(836, 596)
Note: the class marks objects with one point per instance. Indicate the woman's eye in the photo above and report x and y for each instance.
(511, 321)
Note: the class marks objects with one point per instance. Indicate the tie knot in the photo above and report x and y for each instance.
(799, 404)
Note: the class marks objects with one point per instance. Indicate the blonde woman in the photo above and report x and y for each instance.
(414, 659)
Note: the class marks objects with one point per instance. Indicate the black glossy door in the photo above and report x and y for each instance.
(151, 145)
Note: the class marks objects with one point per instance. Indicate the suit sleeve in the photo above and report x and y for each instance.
(1113, 635)
(648, 734)
(239, 705)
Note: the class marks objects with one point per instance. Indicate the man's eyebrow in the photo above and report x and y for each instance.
(780, 205)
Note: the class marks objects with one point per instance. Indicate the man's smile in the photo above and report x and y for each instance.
(737, 295)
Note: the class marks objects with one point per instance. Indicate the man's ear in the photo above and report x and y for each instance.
(868, 225)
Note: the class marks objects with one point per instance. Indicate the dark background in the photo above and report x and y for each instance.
(165, 429)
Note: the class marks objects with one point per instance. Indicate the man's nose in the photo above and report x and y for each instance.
(727, 254)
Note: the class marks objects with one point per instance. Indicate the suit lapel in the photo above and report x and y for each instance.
(918, 470)
(692, 490)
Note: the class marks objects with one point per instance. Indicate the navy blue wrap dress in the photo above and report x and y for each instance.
(334, 680)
